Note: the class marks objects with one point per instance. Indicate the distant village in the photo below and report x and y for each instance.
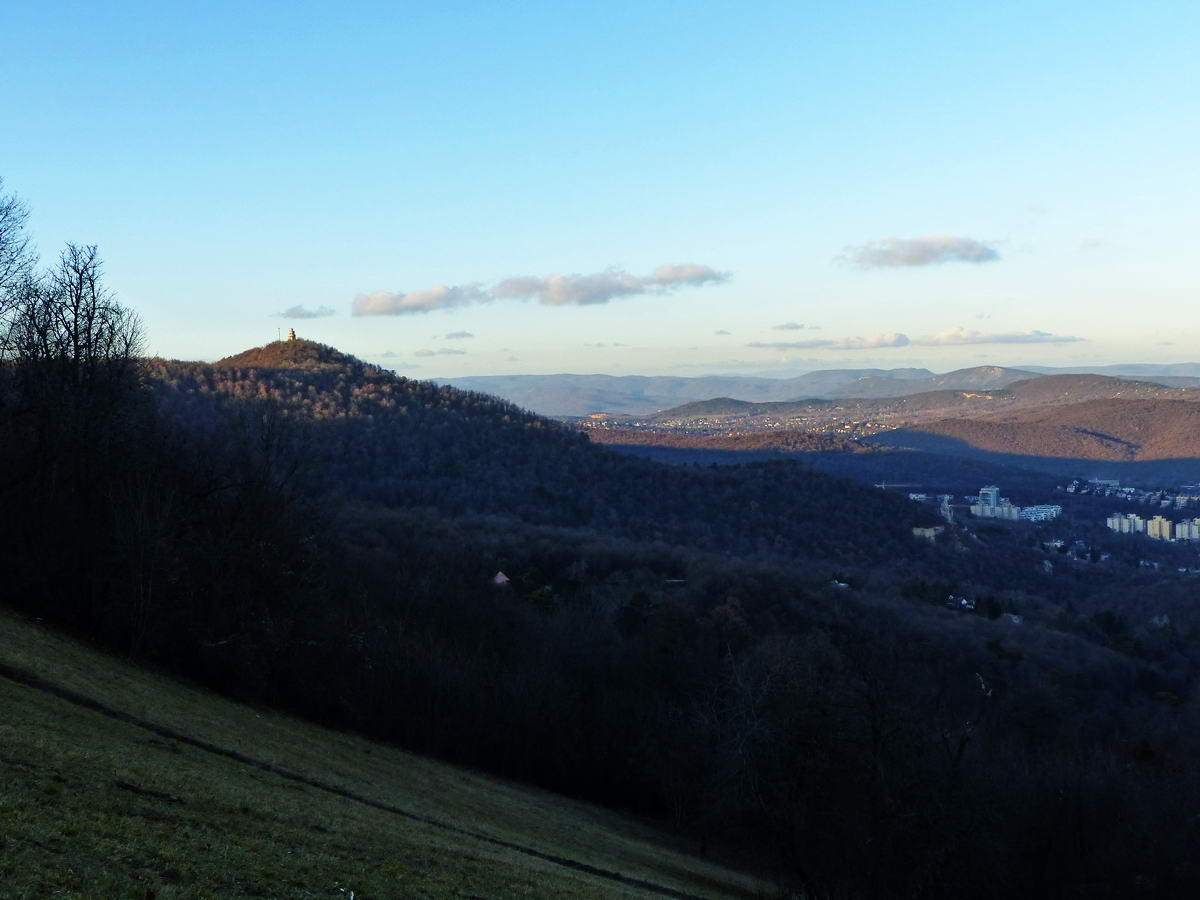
(988, 504)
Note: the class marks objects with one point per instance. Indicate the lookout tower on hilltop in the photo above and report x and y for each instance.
(291, 334)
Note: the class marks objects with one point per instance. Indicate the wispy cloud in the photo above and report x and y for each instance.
(788, 345)
(550, 290)
(441, 351)
(458, 336)
(794, 326)
(303, 312)
(600, 287)
(954, 337)
(722, 331)
(923, 251)
(873, 342)
(385, 303)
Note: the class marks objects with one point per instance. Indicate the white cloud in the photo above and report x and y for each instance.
(600, 287)
(722, 331)
(959, 336)
(551, 290)
(458, 335)
(923, 251)
(789, 345)
(873, 342)
(794, 326)
(303, 312)
(385, 303)
(441, 351)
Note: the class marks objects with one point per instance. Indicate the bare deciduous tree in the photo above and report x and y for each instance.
(16, 260)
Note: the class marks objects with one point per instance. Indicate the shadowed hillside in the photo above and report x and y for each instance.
(341, 427)
(124, 783)
(1108, 430)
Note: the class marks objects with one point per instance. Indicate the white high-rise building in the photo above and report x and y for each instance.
(1126, 523)
(989, 496)
(1187, 530)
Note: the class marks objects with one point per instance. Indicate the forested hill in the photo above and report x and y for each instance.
(1112, 430)
(352, 430)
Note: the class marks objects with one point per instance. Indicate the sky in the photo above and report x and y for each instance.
(630, 188)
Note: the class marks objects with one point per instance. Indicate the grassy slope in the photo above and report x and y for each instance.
(94, 807)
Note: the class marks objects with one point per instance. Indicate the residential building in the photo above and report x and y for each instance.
(1159, 528)
(1187, 530)
(1126, 523)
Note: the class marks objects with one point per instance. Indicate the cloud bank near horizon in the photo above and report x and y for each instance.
(933, 249)
(959, 336)
(951, 337)
(872, 342)
(549, 290)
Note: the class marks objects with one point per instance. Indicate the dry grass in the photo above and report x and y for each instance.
(92, 807)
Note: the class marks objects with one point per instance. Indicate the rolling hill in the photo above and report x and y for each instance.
(979, 378)
(1112, 430)
(900, 411)
(356, 431)
(120, 782)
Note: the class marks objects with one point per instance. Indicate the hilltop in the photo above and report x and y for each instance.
(294, 354)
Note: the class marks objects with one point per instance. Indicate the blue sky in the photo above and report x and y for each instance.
(935, 184)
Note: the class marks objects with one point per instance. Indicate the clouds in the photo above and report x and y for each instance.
(956, 337)
(722, 331)
(441, 351)
(933, 249)
(950, 337)
(457, 336)
(601, 287)
(873, 342)
(303, 312)
(789, 345)
(794, 326)
(384, 303)
(549, 290)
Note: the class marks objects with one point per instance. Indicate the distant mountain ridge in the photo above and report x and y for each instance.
(578, 395)
(927, 406)
(639, 395)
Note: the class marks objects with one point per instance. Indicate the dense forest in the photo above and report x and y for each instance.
(761, 655)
